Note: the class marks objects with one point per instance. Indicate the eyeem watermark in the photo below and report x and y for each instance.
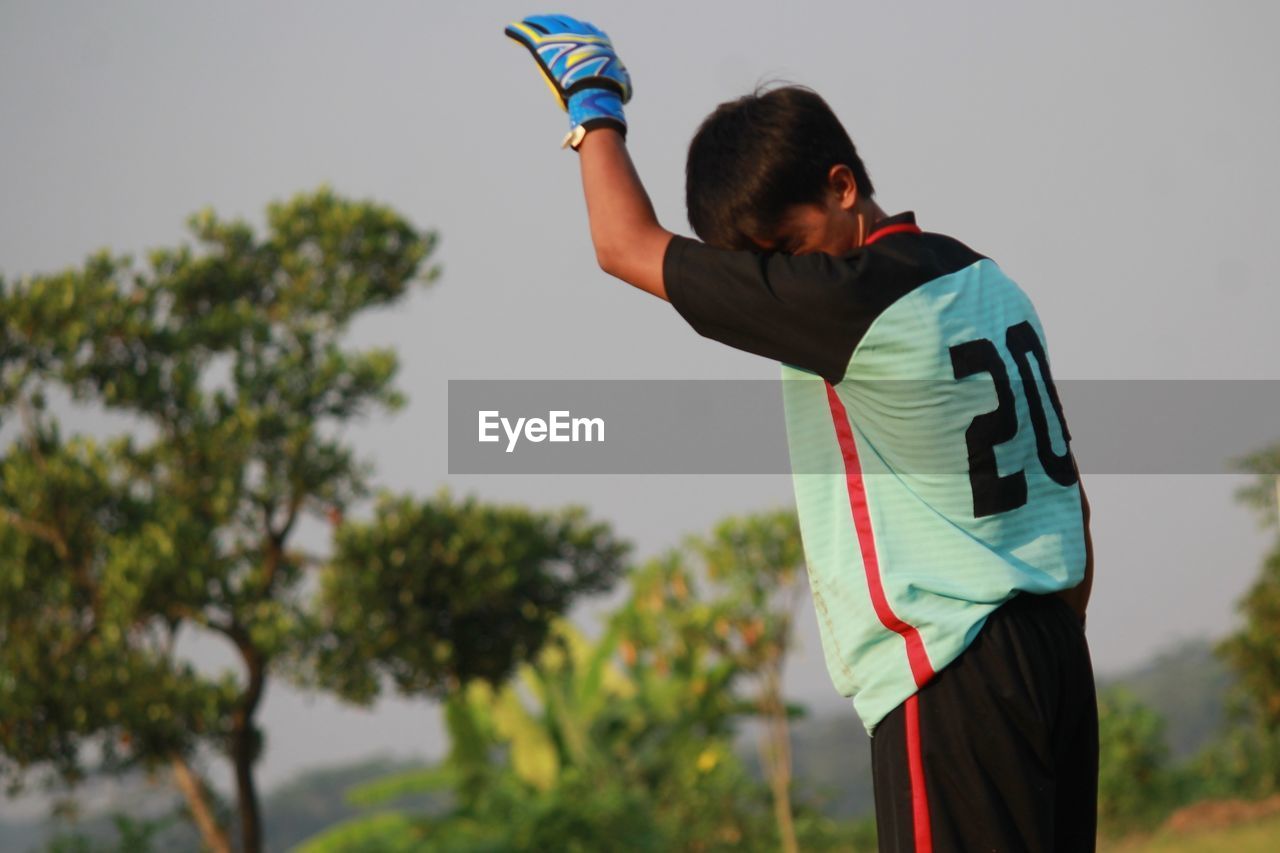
(558, 426)
(739, 426)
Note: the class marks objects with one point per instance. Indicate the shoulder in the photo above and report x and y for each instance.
(808, 310)
(917, 258)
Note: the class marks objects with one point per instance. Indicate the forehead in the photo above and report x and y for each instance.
(796, 221)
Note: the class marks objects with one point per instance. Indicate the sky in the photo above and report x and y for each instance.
(1117, 160)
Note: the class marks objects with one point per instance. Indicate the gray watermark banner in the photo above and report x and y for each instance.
(738, 426)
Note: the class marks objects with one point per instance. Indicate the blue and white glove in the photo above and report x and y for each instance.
(579, 64)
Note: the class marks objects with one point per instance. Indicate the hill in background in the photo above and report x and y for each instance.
(1187, 686)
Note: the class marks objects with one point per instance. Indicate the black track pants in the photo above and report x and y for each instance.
(999, 751)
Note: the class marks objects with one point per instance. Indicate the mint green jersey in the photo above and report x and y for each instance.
(930, 456)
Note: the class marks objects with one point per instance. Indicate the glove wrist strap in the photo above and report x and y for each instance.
(574, 137)
(590, 109)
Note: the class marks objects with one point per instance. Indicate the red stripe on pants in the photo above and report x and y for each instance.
(915, 768)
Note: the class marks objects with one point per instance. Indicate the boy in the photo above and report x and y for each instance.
(945, 529)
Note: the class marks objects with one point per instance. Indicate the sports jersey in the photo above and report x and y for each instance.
(931, 459)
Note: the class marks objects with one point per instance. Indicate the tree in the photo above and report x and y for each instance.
(228, 357)
(1253, 652)
(1247, 760)
(1244, 761)
(1135, 788)
(757, 563)
(627, 740)
(433, 595)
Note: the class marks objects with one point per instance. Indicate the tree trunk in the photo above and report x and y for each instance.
(244, 744)
(242, 754)
(776, 745)
(198, 801)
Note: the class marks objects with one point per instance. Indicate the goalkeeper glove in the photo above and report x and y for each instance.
(579, 64)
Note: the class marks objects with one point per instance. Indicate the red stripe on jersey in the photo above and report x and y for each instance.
(921, 669)
(900, 228)
(920, 825)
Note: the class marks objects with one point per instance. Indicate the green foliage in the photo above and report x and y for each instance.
(387, 832)
(1135, 787)
(80, 563)
(1262, 493)
(437, 593)
(227, 357)
(226, 354)
(132, 836)
(405, 783)
(1243, 763)
(758, 563)
(318, 798)
(755, 569)
(1253, 652)
(1247, 761)
(831, 757)
(626, 742)
(1187, 685)
(568, 757)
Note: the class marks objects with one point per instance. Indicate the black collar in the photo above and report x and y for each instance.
(899, 223)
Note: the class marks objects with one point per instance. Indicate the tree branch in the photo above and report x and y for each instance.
(29, 424)
(197, 798)
(36, 529)
(196, 616)
(275, 541)
(295, 504)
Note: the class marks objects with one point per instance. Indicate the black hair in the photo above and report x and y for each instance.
(756, 156)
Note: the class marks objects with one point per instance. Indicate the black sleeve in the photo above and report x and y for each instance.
(805, 310)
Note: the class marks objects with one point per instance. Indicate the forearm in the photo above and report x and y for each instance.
(1086, 585)
(1078, 596)
(629, 242)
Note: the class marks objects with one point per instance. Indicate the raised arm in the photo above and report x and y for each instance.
(591, 84)
(629, 242)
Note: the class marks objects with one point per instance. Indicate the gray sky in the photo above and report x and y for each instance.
(1118, 160)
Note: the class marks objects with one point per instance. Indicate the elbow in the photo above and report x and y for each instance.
(636, 260)
(610, 259)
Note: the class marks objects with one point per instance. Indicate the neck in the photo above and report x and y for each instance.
(866, 214)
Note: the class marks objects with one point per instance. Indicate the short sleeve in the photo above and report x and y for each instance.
(808, 310)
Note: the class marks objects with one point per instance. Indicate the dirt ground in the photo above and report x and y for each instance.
(1219, 814)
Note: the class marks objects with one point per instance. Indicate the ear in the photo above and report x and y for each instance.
(844, 185)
